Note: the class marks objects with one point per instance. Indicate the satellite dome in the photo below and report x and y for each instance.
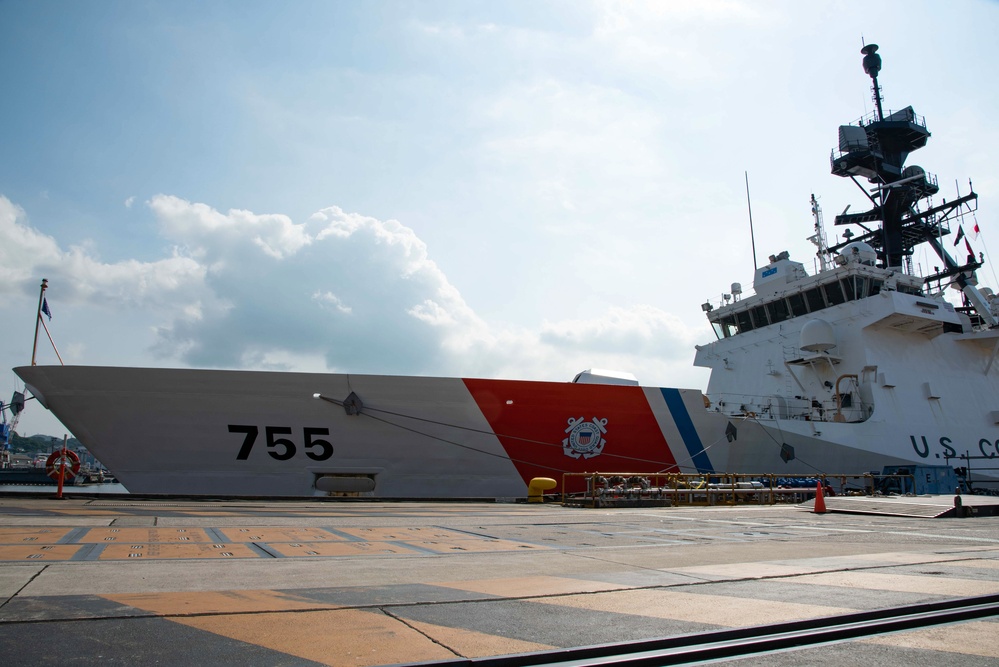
(860, 253)
(817, 336)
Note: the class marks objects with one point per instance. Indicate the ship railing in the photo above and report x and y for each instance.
(971, 471)
(675, 489)
(906, 113)
(850, 408)
(838, 153)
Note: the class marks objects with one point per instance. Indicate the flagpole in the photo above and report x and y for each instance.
(38, 318)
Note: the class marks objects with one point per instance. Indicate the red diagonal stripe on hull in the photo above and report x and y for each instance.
(530, 420)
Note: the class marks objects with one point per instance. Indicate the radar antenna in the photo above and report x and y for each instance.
(872, 65)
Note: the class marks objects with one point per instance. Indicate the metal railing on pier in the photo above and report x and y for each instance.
(623, 489)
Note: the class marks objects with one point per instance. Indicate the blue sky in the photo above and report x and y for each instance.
(515, 189)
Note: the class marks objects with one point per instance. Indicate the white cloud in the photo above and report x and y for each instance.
(364, 295)
(331, 300)
(22, 248)
(208, 232)
(360, 292)
(640, 330)
(26, 255)
(341, 291)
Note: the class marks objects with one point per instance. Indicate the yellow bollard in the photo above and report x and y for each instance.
(537, 487)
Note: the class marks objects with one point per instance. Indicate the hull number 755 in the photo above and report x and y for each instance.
(282, 448)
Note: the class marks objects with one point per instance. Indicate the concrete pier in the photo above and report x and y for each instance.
(120, 580)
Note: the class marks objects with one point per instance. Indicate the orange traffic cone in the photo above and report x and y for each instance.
(820, 501)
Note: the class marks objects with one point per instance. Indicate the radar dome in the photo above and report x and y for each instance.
(817, 336)
(860, 253)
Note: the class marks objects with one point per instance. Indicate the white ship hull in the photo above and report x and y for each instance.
(168, 431)
(183, 431)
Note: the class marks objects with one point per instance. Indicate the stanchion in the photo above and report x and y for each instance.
(62, 467)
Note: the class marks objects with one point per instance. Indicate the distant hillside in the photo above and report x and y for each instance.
(40, 443)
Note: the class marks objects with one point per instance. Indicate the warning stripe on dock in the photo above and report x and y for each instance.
(161, 551)
(43, 552)
(15, 535)
(145, 535)
(279, 534)
(134, 543)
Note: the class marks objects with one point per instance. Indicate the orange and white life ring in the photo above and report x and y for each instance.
(56, 460)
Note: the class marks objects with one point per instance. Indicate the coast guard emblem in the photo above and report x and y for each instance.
(585, 438)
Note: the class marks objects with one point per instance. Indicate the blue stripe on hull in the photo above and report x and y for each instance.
(687, 431)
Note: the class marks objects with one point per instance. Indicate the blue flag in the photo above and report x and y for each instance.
(45, 308)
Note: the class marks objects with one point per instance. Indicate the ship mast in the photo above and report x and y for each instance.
(876, 148)
(818, 239)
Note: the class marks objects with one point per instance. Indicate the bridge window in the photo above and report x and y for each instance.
(814, 299)
(850, 288)
(726, 328)
(854, 287)
(906, 289)
(797, 305)
(778, 311)
(834, 293)
(744, 323)
(760, 316)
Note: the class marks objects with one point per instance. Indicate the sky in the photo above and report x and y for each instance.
(477, 189)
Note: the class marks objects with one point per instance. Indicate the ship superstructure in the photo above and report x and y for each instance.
(865, 354)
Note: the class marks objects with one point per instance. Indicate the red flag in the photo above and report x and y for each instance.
(960, 235)
(971, 253)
